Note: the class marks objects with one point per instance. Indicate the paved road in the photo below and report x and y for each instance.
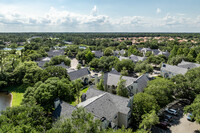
(185, 126)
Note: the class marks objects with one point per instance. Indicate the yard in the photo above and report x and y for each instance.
(74, 103)
(17, 93)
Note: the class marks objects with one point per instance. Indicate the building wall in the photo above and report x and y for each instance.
(167, 74)
(122, 120)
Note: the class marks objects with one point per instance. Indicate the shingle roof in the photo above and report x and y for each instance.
(78, 73)
(121, 52)
(142, 82)
(98, 53)
(188, 65)
(104, 104)
(63, 110)
(122, 58)
(174, 69)
(112, 79)
(55, 53)
(135, 58)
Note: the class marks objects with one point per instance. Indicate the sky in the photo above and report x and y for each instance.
(99, 15)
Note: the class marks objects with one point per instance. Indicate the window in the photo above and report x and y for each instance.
(131, 87)
(115, 117)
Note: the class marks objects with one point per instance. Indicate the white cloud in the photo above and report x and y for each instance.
(158, 10)
(12, 19)
(94, 11)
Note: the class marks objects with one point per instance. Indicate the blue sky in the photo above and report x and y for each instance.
(100, 16)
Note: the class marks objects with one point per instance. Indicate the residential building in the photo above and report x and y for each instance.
(169, 71)
(114, 111)
(134, 85)
(83, 74)
(62, 109)
(188, 65)
(135, 58)
(119, 52)
(98, 54)
(53, 53)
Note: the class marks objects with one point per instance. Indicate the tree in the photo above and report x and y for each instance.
(173, 52)
(182, 89)
(89, 56)
(177, 59)
(143, 67)
(192, 54)
(77, 85)
(148, 120)
(44, 93)
(108, 52)
(124, 72)
(194, 108)
(100, 85)
(56, 60)
(198, 58)
(143, 103)
(80, 122)
(162, 90)
(126, 64)
(121, 88)
(24, 118)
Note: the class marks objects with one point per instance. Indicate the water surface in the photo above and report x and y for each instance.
(5, 100)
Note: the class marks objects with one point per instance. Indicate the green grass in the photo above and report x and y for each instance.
(17, 93)
(74, 103)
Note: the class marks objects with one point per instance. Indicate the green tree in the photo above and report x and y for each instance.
(194, 108)
(25, 118)
(125, 64)
(198, 58)
(121, 88)
(80, 122)
(162, 90)
(78, 86)
(100, 85)
(148, 120)
(108, 52)
(143, 103)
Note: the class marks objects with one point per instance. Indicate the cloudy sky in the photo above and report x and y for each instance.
(99, 15)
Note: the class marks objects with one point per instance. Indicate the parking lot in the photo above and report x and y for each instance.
(177, 123)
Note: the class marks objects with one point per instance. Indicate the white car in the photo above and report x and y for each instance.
(171, 111)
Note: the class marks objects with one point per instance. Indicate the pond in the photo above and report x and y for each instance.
(5, 100)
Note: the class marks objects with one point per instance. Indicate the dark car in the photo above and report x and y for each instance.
(162, 125)
(168, 117)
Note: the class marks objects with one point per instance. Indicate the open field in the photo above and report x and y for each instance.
(17, 93)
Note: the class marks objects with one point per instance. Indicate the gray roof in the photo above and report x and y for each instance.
(112, 79)
(63, 110)
(173, 69)
(156, 51)
(121, 52)
(63, 65)
(103, 104)
(142, 82)
(41, 63)
(98, 53)
(135, 58)
(78, 73)
(188, 65)
(122, 58)
(55, 53)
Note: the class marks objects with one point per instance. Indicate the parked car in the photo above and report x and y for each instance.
(189, 117)
(162, 125)
(168, 117)
(171, 111)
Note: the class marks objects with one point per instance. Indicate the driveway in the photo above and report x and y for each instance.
(185, 126)
(74, 63)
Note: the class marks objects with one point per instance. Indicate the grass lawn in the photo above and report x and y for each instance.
(17, 92)
(74, 103)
